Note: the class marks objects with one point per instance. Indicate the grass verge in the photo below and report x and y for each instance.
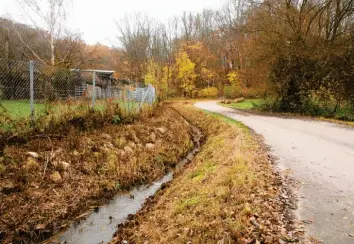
(50, 180)
(228, 194)
(246, 104)
(255, 105)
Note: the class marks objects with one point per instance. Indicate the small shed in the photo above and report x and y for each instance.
(98, 80)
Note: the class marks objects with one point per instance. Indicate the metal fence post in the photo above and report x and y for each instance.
(144, 97)
(31, 70)
(152, 94)
(93, 89)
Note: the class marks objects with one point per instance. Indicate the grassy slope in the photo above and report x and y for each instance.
(229, 186)
(100, 166)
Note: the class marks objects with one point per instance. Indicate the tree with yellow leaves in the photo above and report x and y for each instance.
(158, 76)
(207, 76)
(236, 85)
(233, 78)
(152, 73)
(186, 75)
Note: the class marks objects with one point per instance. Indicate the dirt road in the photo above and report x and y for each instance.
(320, 156)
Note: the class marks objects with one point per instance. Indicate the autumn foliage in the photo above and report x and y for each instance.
(297, 55)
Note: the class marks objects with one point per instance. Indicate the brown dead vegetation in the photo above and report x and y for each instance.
(50, 180)
(228, 194)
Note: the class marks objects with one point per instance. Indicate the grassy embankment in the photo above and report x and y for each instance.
(226, 195)
(79, 170)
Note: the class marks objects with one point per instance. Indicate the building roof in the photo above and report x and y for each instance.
(97, 71)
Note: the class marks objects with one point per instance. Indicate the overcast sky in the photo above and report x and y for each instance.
(96, 19)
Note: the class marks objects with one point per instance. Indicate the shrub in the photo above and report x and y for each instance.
(232, 92)
(228, 92)
(210, 92)
(293, 76)
(2, 168)
(116, 120)
(194, 93)
(250, 93)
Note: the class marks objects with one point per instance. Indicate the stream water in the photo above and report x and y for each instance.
(100, 226)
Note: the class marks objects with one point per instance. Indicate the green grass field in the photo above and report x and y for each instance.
(15, 114)
(247, 104)
(20, 109)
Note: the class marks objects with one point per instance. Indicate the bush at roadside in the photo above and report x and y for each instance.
(209, 92)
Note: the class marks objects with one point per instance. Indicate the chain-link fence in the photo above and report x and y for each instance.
(26, 88)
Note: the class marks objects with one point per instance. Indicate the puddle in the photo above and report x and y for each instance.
(100, 226)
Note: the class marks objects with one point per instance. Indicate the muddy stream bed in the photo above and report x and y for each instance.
(100, 225)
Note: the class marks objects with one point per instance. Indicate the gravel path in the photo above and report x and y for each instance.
(320, 156)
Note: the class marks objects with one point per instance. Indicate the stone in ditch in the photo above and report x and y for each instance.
(152, 137)
(109, 145)
(32, 154)
(132, 145)
(106, 136)
(64, 166)
(162, 130)
(128, 150)
(55, 177)
(150, 146)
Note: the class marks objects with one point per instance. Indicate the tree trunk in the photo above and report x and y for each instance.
(7, 44)
(52, 51)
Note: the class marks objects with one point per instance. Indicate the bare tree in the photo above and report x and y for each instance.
(5, 31)
(49, 15)
(135, 37)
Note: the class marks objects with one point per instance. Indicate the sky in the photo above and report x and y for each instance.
(96, 19)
